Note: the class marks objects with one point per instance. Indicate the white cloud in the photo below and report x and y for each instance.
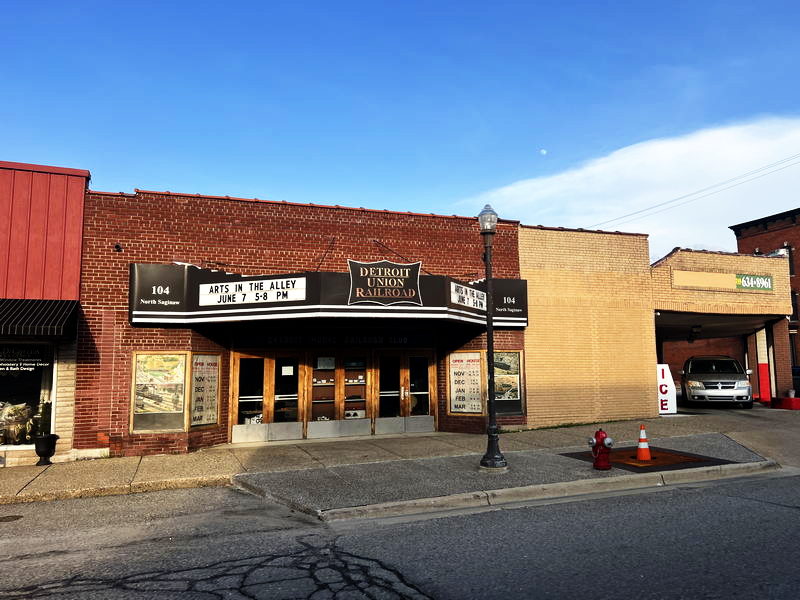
(657, 171)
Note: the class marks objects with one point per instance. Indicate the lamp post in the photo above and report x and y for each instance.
(493, 459)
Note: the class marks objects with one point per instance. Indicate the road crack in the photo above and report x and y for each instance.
(319, 570)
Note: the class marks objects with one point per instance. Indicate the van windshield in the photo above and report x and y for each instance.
(715, 366)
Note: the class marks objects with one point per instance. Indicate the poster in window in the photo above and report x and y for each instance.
(160, 381)
(465, 383)
(205, 386)
(506, 376)
(326, 362)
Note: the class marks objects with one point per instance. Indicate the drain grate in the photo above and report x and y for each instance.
(663, 459)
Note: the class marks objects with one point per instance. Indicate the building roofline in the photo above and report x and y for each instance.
(45, 169)
(286, 203)
(764, 220)
(678, 249)
(579, 230)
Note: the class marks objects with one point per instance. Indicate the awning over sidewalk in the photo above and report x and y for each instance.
(37, 317)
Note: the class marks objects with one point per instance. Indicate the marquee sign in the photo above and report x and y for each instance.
(253, 292)
(384, 282)
(183, 294)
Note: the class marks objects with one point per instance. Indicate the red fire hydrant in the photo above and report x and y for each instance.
(601, 450)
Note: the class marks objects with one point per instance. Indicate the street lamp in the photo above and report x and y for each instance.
(493, 459)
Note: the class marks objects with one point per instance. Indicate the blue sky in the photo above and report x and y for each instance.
(417, 105)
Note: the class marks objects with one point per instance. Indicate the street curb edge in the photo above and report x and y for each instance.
(545, 491)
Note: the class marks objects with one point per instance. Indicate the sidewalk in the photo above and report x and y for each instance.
(396, 475)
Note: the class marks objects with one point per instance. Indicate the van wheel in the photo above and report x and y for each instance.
(745, 405)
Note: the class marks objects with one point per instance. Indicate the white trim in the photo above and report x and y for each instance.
(477, 320)
(304, 307)
(318, 311)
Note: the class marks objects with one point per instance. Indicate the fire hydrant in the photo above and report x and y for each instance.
(601, 450)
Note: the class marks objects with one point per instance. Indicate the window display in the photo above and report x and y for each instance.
(26, 380)
(205, 388)
(508, 398)
(355, 387)
(159, 391)
(323, 395)
(466, 383)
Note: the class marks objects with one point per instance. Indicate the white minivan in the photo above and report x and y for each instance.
(716, 379)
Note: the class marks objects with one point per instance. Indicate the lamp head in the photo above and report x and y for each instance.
(487, 219)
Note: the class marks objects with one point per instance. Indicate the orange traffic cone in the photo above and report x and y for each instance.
(643, 451)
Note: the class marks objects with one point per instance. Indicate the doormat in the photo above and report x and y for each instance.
(663, 459)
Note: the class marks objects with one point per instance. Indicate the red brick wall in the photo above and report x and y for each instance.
(774, 238)
(767, 237)
(782, 353)
(503, 340)
(676, 353)
(247, 237)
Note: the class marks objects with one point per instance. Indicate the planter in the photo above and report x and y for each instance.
(45, 448)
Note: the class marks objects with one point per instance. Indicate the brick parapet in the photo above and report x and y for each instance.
(590, 345)
(668, 296)
(241, 236)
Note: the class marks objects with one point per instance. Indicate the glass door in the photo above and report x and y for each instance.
(250, 395)
(405, 384)
(286, 378)
(419, 385)
(267, 389)
(390, 385)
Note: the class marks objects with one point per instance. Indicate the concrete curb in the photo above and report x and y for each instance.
(544, 491)
(118, 490)
(464, 500)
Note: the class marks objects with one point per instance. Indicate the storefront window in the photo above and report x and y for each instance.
(507, 384)
(26, 380)
(323, 394)
(205, 389)
(355, 387)
(159, 391)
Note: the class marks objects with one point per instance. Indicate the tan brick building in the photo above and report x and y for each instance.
(601, 318)
(590, 344)
(700, 301)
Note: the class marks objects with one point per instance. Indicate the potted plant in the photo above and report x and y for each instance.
(44, 441)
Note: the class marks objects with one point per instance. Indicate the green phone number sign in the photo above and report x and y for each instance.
(754, 282)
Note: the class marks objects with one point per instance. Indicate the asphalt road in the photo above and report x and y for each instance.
(733, 539)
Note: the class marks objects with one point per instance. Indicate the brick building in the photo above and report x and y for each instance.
(777, 234)
(601, 317)
(590, 344)
(207, 320)
(705, 304)
(313, 363)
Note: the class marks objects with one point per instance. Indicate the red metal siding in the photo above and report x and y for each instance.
(6, 186)
(41, 229)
